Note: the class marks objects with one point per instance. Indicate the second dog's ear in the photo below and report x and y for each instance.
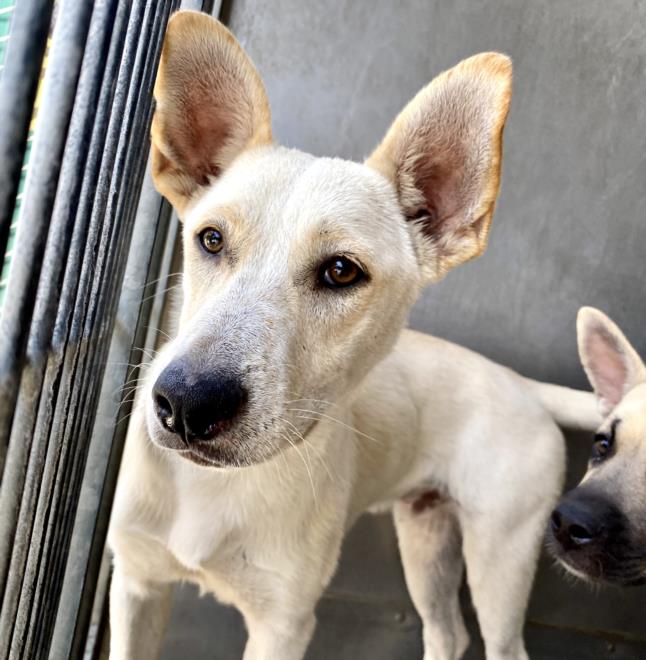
(211, 106)
(443, 155)
(612, 365)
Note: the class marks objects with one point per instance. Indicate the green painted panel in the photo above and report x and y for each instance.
(6, 13)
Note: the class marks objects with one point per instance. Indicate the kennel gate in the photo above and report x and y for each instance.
(88, 249)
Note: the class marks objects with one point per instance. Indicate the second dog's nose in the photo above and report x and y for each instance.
(575, 523)
(197, 407)
(570, 533)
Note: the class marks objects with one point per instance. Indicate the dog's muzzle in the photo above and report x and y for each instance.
(197, 407)
(590, 536)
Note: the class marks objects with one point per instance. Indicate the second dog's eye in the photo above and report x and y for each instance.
(601, 446)
(603, 443)
(211, 240)
(339, 272)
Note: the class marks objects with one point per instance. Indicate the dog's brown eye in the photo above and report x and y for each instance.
(340, 272)
(211, 240)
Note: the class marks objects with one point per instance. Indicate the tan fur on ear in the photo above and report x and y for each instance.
(211, 106)
(611, 363)
(443, 154)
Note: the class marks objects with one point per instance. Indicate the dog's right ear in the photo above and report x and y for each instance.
(612, 365)
(210, 106)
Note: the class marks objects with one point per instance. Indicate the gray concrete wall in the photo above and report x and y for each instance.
(570, 228)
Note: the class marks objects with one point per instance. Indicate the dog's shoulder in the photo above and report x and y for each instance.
(434, 360)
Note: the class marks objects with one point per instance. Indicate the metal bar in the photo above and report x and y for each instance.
(51, 130)
(59, 91)
(108, 440)
(71, 213)
(18, 86)
(69, 15)
(74, 437)
(168, 281)
(89, 533)
(103, 275)
(59, 487)
(57, 249)
(88, 325)
(85, 539)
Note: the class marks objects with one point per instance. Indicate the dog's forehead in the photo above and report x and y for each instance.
(296, 191)
(632, 413)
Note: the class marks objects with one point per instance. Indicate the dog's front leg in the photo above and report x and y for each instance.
(138, 616)
(280, 614)
(280, 636)
(281, 620)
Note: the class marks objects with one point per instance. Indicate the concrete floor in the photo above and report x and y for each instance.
(367, 613)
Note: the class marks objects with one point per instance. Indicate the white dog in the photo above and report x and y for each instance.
(290, 400)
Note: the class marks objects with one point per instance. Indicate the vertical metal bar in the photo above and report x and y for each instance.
(52, 126)
(18, 86)
(153, 236)
(76, 189)
(107, 444)
(74, 436)
(48, 594)
(83, 363)
(51, 131)
(89, 533)
(88, 324)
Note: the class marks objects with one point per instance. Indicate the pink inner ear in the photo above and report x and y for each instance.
(199, 132)
(441, 181)
(607, 365)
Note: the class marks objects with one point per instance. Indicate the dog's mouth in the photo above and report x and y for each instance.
(227, 449)
(235, 445)
(627, 573)
(215, 456)
(620, 567)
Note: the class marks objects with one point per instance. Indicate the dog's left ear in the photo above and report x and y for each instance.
(611, 363)
(443, 156)
(211, 106)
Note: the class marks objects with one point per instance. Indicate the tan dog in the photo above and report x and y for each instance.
(290, 400)
(599, 528)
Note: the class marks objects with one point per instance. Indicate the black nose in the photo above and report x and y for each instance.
(569, 533)
(579, 520)
(197, 406)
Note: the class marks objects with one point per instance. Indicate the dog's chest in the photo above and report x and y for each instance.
(224, 547)
(207, 526)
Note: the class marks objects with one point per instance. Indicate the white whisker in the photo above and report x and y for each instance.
(307, 468)
(333, 419)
